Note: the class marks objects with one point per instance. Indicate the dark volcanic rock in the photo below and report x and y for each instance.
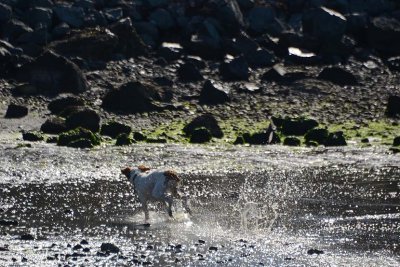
(188, 72)
(133, 97)
(235, 70)
(32, 136)
(91, 43)
(318, 135)
(207, 121)
(393, 106)
(384, 35)
(124, 139)
(296, 127)
(113, 129)
(27, 237)
(213, 93)
(85, 118)
(8, 222)
(16, 111)
(15, 28)
(275, 74)
(260, 19)
(108, 247)
(78, 137)
(57, 105)
(396, 141)
(200, 135)
(162, 18)
(338, 75)
(54, 73)
(73, 16)
(5, 12)
(314, 251)
(39, 17)
(325, 24)
(170, 51)
(291, 141)
(81, 143)
(54, 125)
(229, 15)
(335, 139)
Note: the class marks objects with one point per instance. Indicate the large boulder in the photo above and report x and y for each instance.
(200, 135)
(207, 121)
(54, 125)
(229, 15)
(336, 139)
(39, 17)
(14, 28)
(393, 106)
(72, 15)
(16, 111)
(133, 97)
(260, 19)
(85, 118)
(79, 138)
(162, 18)
(188, 72)
(384, 35)
(318, 135)
(214, 93)
(114, 129)
(32, 136)
(289, 126)
(5, 12)
(59, 104)
(53, 73)
(325, 24)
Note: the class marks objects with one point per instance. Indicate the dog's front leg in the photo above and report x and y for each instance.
(169, 202)
(185, 202)
(146, 211)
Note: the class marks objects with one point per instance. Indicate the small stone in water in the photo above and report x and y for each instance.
(202, 241)
(213, 248)
(27, 237)
(314, 251)
(84, 242)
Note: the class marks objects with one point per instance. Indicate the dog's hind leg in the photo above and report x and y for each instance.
(185, 202)
(169, 202)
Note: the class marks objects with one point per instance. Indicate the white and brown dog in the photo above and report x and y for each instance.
(157, 185)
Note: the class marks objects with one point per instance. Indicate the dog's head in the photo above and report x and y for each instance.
(128, 170)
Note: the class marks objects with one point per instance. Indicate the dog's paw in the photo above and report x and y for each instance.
(170, 214)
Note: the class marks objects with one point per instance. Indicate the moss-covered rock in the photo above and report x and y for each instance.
(33, 136)
(124, 139)
(138, 136)
(291, 126)
(156, 140)
(54, 125)
(114, 129)
(200, 135)
(292, 141)
(81, 143)
(70, 137)
(52, 139)
(395, 150)
(318, 135)
(239, 140)
(207, 121)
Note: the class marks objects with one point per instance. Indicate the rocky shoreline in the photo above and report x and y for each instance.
(155, 66)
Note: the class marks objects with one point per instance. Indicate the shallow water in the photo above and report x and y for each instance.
(251, 206)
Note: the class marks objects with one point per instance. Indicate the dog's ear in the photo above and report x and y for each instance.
(143, 168)
(126, 171)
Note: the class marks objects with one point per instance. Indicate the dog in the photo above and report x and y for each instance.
(157, 185)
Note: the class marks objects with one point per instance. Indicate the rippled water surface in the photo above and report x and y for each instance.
(252, 206)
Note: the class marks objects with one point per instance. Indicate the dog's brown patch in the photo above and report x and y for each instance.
(143, 168)
(171, 175)
(126, 171)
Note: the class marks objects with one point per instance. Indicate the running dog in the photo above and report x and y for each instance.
(157, 185)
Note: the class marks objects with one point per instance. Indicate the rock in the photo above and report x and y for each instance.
(73, 16)
(114, 129)
(291, 141)
(275, 74)
(318, 135)
(85, 118)
(207, 121)
(91, 43)
(27, 237)
(260, 19)
(113, 14)
(32, 136)
(156, 140)
(129, 42)
(15, 28)
(60, 31)
(5, 12)
(124, 139)
(148, 32)
(335, 139)
(396, 141)
(393, 106)
(16, 111)
(25, 89)
(8, 222)
(229, 15)
(213, 248)
(325, 24)
(77, 247)
(393, 63)
(163, 19)
(213, 93)
(54, 73)
(395, 150)
(384, 35)
(59, 104)
(239, 140)
(108, 247)
(260, 58)
(133, 97)
(314, 251)
(200, 135)
(78, 137)
(84, 242)
(138, 136)
(39, 17)
(236, 69)
(371, 7)
(54, 125)
(170, 51)
(301, 56)
(295, 127)
(188, 72)
(52, 140)
(155, 3)
(338, 76)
